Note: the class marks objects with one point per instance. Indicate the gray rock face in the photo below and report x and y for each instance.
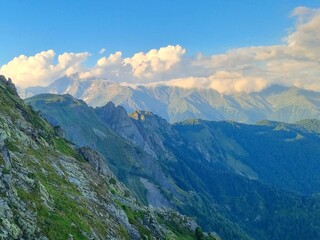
(140, 127)
(155, 198)
(155, 131)
(122, 218)
(147, 131)
(117, 119)
(8, 82)
(17, 220)
(96, 160)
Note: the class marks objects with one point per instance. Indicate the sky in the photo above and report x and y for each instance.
(227, 45)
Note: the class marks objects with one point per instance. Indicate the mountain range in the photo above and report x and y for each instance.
(275, 103)
(242, 181)
(52, 189)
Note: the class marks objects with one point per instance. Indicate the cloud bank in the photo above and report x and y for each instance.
(293, 62)
(40, 69)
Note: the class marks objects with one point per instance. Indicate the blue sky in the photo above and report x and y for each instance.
(211, 26)
(227, 45)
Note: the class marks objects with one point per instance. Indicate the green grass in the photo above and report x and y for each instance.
(123, 232)
(68, 212)
(136, 218)
(176, 228)
(137, 188)
(112, 181)
(5, 171)
(62, 146)
(58, 222)
(1, 160)
(179, 230)
(12, 145)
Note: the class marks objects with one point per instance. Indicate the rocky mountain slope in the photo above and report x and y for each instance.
(175, 104)
(140, 171)
(50, 189)
(243, 181)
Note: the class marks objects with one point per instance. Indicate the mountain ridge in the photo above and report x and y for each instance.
(280, 103)
(210, 164)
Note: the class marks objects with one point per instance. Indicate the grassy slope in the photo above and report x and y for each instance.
(83, 127)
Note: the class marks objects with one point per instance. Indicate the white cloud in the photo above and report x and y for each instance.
(140, 68)
(40, 69)
(228, 82)
(306, 39)
(146, 65)
(102, 50)
(111, 67)
(112, 59)
(223, 82)
(293, 62)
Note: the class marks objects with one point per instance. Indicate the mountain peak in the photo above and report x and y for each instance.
(141, 115)
(274, 89)
(108, 108)
(112, 113)
(9, 84)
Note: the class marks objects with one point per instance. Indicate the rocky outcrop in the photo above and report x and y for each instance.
(10, 85)
(117, 119)
(155, 131)
(96, 160)
(148, 132)
(142, 128)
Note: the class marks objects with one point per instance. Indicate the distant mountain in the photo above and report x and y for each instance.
(176, 104)
(243, 181)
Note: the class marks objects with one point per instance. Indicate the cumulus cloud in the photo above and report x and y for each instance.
(146, 65)
(140, 68)
(305, 40)
(112, 59)
(41, 69)
(293, 62)
(111, 67)
(224, 82)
